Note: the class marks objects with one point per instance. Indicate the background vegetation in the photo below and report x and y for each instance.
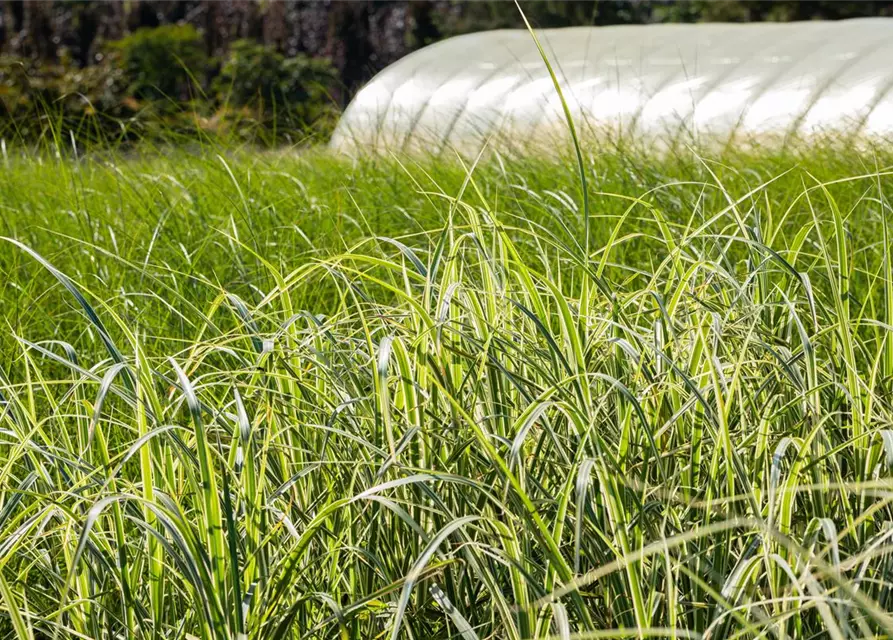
(158, 82)
(267, 71)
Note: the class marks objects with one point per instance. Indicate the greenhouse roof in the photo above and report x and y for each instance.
(724, 81)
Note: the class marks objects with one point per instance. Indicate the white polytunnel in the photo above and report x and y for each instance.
(655, 82)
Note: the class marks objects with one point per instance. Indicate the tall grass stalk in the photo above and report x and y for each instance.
(265, 397)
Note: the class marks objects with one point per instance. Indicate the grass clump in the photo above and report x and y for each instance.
(248, 395)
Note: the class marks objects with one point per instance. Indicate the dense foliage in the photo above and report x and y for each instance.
(293, 397)
(158, 81)
(160, 62)
(287, 92)
(58, 60)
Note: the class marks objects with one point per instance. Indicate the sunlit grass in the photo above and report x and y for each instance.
(288, 396)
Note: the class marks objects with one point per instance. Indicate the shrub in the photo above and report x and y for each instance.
(161, 62)
(141, 87)
(293, 90)
(32, 94)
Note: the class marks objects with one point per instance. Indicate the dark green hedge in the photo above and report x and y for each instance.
(158, 82)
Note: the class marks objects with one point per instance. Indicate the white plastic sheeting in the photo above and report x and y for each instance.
(655, 82)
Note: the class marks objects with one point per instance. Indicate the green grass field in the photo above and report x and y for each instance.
(284, 395)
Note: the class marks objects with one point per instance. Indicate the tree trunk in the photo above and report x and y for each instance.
(423, 31)
(212, 34)
(5, 18)
(38, 29)
(348, 44)
(112, 20)
(9, 27)
(273, 25)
